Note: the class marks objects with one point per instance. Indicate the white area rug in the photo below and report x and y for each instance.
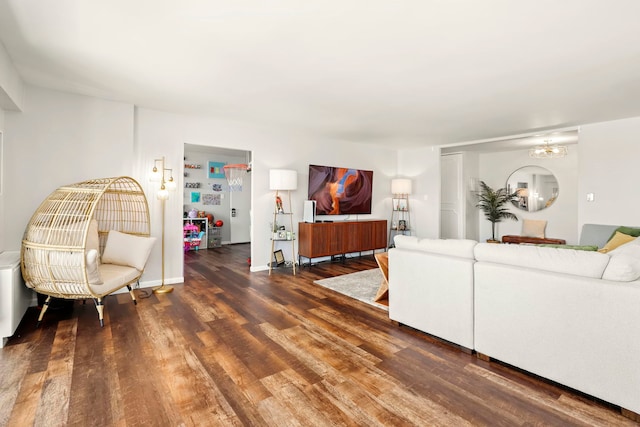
(362, 285)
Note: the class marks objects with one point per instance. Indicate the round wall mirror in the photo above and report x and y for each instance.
(536, 186)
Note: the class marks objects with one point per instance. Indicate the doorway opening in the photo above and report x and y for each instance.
(215, 213)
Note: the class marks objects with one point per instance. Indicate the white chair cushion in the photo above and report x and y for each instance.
(126, 249)
(93, 240)
(533, 228)
(115, 277)
(93, 274)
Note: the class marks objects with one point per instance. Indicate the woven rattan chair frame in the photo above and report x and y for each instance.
(53, 251)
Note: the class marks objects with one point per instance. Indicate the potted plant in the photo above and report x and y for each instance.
(492, 203)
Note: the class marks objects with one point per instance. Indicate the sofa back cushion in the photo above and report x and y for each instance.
(462, 248)
(596, 234)
(624, 262)
(559, 260)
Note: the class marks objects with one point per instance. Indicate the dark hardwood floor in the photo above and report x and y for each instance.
(231, 347)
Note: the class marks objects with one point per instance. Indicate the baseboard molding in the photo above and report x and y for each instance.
(483, 357)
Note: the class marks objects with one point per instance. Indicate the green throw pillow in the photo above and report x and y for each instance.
(629, 231)
(576, 247)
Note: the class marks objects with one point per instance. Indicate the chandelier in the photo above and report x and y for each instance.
(548, 151)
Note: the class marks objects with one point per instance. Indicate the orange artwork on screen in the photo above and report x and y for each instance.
(340, 191)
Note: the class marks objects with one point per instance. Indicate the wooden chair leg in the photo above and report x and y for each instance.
(133, 296)
(45, 306)
(100, 308)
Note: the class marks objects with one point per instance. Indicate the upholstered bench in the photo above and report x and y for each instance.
(535, 240)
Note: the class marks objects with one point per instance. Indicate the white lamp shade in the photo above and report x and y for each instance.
(170, 185)
(400, 186)
(163, 194)
(155, 176)
(283, 179)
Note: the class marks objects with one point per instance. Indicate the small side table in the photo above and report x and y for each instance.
(382, 259)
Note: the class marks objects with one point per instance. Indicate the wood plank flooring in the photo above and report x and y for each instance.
(235, 348)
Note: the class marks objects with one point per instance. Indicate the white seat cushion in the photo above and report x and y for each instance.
(114, 277)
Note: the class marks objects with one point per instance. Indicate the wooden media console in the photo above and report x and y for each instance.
(322, 239)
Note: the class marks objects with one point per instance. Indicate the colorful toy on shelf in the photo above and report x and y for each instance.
(191, 235)
(219, 223)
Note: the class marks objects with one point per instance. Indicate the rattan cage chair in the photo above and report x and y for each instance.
(61, 236)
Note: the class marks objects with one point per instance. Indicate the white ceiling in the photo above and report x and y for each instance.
(405, 73)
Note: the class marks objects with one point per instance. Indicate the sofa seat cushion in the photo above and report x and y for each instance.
(569, 261)
(114, 277)
(461, 248)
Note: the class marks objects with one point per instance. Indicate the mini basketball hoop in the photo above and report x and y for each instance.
(234, 174)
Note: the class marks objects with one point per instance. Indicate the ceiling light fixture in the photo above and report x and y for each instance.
(548, 151)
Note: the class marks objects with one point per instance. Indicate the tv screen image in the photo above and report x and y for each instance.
(340, 191)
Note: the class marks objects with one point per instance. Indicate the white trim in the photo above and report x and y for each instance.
(507, 138)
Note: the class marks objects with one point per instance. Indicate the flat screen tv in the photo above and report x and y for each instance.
(340, 191)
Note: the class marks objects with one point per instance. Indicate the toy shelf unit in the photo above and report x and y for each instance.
(400, 218)
(195, 232)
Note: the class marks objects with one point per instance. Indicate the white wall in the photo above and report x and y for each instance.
(470, 174)
(562, 216)
(11, 87)
(423, 167)
(2, 183)
(60, 139)
(159, 133)
(608, 167)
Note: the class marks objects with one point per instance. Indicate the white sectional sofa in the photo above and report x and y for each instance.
(431, 287)
(545, 310)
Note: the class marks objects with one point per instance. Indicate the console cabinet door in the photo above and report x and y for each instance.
(379, 235)
(350, 236)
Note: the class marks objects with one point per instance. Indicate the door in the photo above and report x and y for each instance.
(452, 214)
(240, 212)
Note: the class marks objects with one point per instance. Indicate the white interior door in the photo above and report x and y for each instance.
(452, 214)
(240, 212)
